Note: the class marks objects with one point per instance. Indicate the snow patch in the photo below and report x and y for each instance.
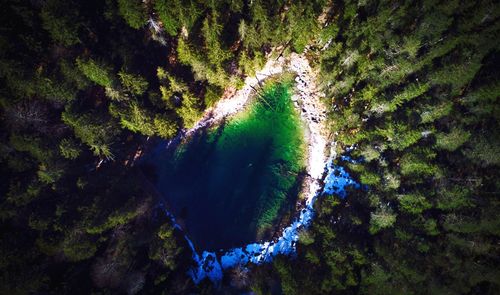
(211, 265)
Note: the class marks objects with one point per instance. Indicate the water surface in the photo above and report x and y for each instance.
(231, 184)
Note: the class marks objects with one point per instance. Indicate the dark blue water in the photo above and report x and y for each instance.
(231, 184)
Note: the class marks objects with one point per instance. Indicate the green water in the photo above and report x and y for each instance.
(231, 184)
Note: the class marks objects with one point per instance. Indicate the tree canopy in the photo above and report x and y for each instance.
(411, 90)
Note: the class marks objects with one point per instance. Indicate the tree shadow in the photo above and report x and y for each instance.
(286, 211)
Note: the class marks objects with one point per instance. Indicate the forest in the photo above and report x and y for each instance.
(412, 93)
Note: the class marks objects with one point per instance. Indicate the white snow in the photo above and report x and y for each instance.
(211, 264)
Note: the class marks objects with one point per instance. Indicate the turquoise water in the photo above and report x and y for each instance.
(231, 184)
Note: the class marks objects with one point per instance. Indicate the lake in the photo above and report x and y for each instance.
(232, 183)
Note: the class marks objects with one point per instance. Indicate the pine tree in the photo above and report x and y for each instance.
(61, 20)
(98, 72)
(133, 12)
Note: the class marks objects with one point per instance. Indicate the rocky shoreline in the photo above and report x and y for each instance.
(306, 98)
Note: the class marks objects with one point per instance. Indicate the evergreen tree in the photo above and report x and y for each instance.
(133, 12)
(98, 72)
(61, 20)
